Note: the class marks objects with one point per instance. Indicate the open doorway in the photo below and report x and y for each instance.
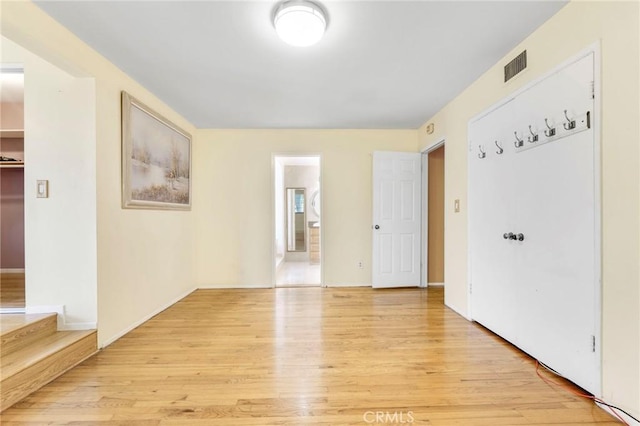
(297, 202)
(433, 215)
(12, 275)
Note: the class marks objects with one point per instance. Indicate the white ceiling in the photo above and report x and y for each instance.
(381, 64)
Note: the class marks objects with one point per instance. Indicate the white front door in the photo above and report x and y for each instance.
(396, 219)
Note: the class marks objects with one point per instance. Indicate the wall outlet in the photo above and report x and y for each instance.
(360, 264)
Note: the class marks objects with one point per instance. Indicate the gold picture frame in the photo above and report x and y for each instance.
(156, 159)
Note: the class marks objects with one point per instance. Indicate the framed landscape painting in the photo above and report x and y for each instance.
(156, 159)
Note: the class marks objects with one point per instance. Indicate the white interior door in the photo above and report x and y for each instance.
(556, 210)
(396, 219)
(490, 217)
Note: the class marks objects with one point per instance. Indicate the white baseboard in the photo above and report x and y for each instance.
(630, 421)
(11, 270)
(110, 340)
(12, 311)
(254, 286)
(232, 286)
(340, 285)
(78, 326)
(435, 284)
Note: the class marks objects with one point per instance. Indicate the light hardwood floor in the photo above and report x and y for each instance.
(12, 290)
(299, 356)
(298, 274)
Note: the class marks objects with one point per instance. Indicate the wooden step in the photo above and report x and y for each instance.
(36, 354)
(19, 330)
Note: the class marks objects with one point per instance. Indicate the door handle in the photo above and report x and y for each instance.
(377, 226)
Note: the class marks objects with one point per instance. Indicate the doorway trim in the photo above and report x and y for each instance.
(274, 248)
(424, 245)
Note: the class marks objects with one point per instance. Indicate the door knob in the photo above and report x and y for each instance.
(520, 237)
(377, 226)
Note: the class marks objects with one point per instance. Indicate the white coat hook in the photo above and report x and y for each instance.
(534, 136)
(570, 124)
(551, 131)
(518, 142)
(500, 150)
(482, 153)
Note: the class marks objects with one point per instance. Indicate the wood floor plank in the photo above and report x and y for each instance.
(12, 294)
(312, 356)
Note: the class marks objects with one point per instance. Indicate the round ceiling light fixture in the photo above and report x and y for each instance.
(300, 22)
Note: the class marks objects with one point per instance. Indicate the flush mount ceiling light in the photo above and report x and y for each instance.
(300, 22)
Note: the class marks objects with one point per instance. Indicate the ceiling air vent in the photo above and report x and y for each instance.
(515, 66)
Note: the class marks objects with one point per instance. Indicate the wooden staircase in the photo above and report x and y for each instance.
(33, 353)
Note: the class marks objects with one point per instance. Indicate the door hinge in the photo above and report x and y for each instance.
(593, 89)
(470, 287)
(593, 343)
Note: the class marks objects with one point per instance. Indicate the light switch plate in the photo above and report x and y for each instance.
(42, 189)
(456, 206)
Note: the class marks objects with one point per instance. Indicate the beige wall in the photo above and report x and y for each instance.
(234, 207)
(144, 258)
(573, 29)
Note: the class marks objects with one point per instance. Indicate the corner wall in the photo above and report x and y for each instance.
(144, 258)
(59, 231)
(571, 30)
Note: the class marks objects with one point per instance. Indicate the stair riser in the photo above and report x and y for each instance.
(24, 383)
(22, 337)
